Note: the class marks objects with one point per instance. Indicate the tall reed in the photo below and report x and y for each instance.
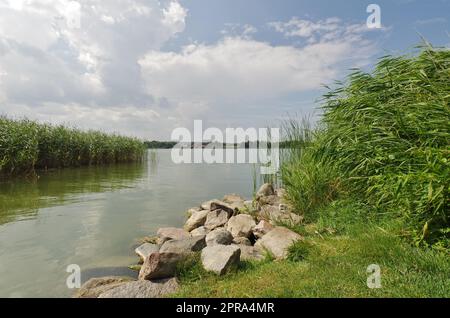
(27, 145)
(385, 139)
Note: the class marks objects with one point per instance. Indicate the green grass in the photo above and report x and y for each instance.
(331, 266)
(27, 145)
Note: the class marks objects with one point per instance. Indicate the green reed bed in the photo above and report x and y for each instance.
(26, 145)
(384, 142)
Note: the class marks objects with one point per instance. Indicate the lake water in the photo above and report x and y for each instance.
(94, 216)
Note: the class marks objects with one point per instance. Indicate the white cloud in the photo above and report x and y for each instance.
(49, 56)
(227, 77)
(110, 73)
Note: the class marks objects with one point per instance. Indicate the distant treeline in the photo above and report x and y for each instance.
(26, 145)
(170, 144)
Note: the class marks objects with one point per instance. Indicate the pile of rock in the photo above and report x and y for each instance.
(224, 232)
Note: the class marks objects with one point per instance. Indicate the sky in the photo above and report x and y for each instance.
(145, 67)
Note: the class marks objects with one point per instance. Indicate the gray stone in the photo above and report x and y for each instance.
(220, 258)
(265, 190)
(215, 219)
(206, 205)
(192, 211)
(251, 253)
(270, 199)
(146, 249)
(242, 241)
(143, 289)
(219, 236)
(278, 241)
(98, 285)
(160, 265)
(231, 198)
(199, 231)
(220, 205)
(280, 192)
(171, 233)
(262, 228)
(192, 244)
(196, 219)
(241, 225)
(276, 216)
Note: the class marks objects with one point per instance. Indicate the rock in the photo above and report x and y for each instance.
(216, 219)
(220, 205)
(277, 216)
(242, 241)
(171, 233)
(241, 225)
(265, 190)
(160, 265)
(270, 199)
(262, 228)
(278, 241)
(220, 258)
(236, 202)
(96, 286)
(196, 219)
(251, 253)
(192, 211)
(146, 249)
(280, 192)
(206, 205)
(143, 289)
(186, 246)
(199, 231)
(219, 236)
(231, 198)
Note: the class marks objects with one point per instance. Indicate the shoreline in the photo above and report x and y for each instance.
(221, 234)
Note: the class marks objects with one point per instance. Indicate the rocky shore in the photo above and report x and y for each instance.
(224, 232)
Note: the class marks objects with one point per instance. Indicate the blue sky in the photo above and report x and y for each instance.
(146, 67)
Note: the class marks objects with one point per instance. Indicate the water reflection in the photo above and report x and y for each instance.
(22, 198)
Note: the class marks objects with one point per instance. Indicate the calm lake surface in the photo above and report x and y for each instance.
(94, 217)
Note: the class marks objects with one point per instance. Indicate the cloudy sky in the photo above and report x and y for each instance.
(145, 67)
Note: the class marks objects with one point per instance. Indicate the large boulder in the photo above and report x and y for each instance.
(241, 241)
(235, 201)
(193, 210)
(220, 258)
(231, 198)
(98, 285)
(278, 241)
(220, 205)
(241, 225)
(262, 228)
(206, 205)
(219, 236)
(171, 233)
(270, 199)
(143, 289)
(146, 249)
(160, 265)
(251, 253)
(265, 190)
(196, 219)
(215, 219)
(186, 246)
(199, 231)
(277, 216)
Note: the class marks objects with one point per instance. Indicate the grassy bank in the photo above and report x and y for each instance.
(372, 181)
(27, 145)
(331, 265)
